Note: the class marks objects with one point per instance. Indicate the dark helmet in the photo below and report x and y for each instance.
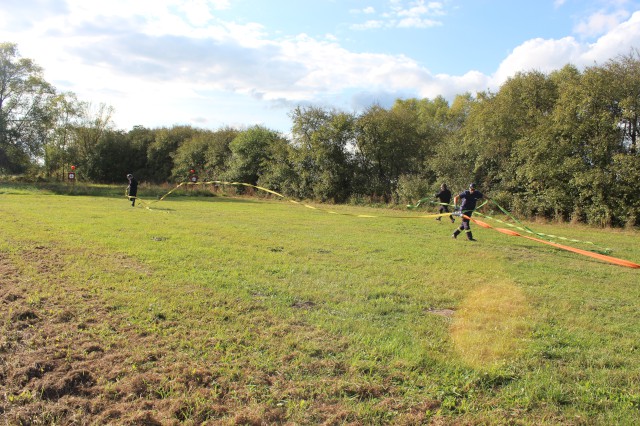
(472, 186)
(443, 186)
(129, 176)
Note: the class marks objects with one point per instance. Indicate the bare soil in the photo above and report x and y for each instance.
(68, 357)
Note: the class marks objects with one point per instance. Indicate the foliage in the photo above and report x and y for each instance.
(160, 152)
(251, 154)
(26, 115)
(322, 153)
(548, 145)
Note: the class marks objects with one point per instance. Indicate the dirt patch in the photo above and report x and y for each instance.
(66, 358)
(442, 312)
(303, 304)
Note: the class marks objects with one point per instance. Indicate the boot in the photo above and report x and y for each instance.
(452, 219)
(470, 236)
(455, 234)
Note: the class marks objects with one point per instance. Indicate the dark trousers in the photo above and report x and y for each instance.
(464, 226)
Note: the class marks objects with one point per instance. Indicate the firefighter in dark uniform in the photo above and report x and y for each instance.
(132, 189)
(444, 196)
(469, 199)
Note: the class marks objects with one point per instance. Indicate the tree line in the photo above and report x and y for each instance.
(560, 145)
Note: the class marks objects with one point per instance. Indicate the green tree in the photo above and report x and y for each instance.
(451, 162)
(624, 73)
(140, 138)
(25, 114)
(113, 158)
(207, 152)
(322, 141)
(539, 169)
(281, 175)
(219, 150)
(59, 151)
(598, 137)
(625, 200)
(251, 154)
(92, 126)
(502, 121)
(434, 124)
(389, 144)
(161, 151)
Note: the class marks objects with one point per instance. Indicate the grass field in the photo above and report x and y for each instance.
(222, 310)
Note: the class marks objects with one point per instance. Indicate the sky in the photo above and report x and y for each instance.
(239, 63)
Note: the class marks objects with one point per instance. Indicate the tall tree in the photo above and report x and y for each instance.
(206, 151)
(93, 125)
(389, 145)
(161, 151)
(140, 138)
(25, 115)
(624, 73)
(323, 142)
(251, 154)
(450, 161)
(219, 150)
(60, 152)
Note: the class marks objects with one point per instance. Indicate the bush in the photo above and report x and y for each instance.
(412, 188)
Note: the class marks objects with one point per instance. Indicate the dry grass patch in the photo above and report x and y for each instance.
(491, 325)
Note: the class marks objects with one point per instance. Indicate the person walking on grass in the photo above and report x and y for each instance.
(444, 196)
(132, 189)
(469, 199)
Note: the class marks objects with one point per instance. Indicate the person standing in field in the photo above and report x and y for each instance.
(132, 189)
(444, 196)
(469, 199)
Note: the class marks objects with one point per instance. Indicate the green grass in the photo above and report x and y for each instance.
(333, 318)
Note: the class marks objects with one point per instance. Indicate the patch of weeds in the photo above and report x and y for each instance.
(25, 397)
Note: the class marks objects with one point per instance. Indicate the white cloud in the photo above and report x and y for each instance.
(369, 25)
(541, 55)
(159, 64)
(549, 55)
(403, 14)
(369, 10)
(414, 22)
(418, 9)
(600, 23)
(619, 41)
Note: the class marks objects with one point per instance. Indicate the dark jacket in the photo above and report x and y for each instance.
(444, 196)
(469, 201)
(132, 191)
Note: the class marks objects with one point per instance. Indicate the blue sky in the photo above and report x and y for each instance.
(215, 63)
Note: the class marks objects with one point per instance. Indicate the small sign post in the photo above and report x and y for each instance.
(72, 175)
